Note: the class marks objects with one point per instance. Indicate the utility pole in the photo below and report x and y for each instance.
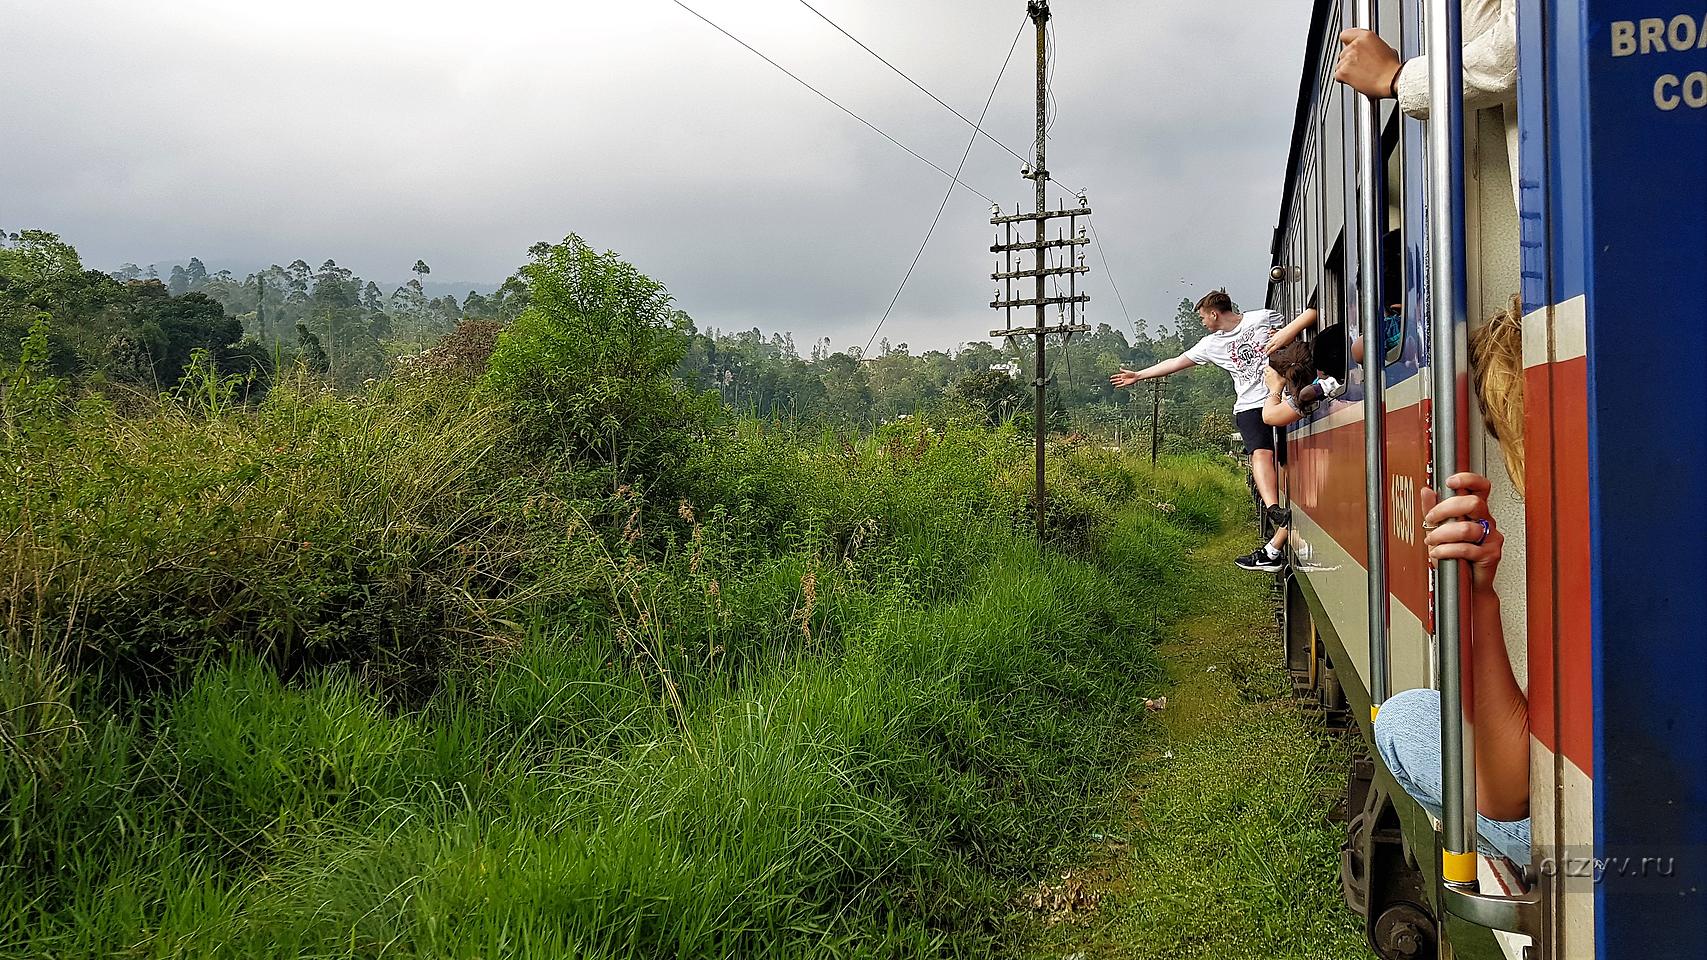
(1156, 419)
(261, 306)
(1007, 271)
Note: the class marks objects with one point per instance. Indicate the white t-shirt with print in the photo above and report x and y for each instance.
(1239, 352)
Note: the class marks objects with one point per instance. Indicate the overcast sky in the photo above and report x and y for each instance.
(375, 132)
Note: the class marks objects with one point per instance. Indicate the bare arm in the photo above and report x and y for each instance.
(1370, 66)
(1276, 412)
(1500, 708)
(1290, 332)
(1126, 378)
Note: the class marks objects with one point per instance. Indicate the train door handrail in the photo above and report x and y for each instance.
(1448, 314)
(1371, 228)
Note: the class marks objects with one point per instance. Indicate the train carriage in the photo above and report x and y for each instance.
(1586, 199)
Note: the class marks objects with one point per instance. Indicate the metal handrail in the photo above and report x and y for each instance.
(1448, 314)
(1448, 311)
(1371, 228)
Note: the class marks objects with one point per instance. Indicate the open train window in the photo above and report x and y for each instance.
(1331, 329)
(1393, 244)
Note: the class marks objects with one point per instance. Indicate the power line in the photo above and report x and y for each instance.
(1103, 255)
(977, 128)
(832, 102)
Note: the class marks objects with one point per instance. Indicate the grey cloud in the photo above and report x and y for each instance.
(378, 132)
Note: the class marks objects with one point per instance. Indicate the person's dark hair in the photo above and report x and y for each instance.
(1296, 364)
(1216, 300)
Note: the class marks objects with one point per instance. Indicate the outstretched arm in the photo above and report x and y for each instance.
(1126, 378)
(1290, 332)
(1501, 710)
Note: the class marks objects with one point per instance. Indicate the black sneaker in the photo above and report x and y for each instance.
(1259, 559)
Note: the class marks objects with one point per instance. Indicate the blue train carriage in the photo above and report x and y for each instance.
(1588, 199)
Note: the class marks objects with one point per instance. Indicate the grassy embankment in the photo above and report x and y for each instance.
(1221, 847)
(365, 676)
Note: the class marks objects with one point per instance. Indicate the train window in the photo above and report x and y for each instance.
(1312, 254)
(1332, 330)
(1333, 161)
(1294, 286)
(1393, 244)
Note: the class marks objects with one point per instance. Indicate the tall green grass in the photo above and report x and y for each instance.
(815, 697)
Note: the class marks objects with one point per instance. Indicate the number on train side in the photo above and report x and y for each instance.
(1403, 496)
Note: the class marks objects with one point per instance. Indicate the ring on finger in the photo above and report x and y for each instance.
(1430, 526)
(1487, 529)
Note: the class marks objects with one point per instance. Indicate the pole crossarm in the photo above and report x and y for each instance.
(1040, 245)
(1042, 302)
(1042, 331)
(1025, 217)
(1050, 272)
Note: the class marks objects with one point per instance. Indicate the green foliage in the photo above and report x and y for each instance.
(29, 396)
(100, 329)
(822, 699)
(309, 529)
(846, 389)
(557, 660)
(587, 367)
(36, 259)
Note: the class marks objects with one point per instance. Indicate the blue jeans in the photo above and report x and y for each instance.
(1407, 735)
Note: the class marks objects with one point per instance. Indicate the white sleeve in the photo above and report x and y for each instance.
(1490, 68)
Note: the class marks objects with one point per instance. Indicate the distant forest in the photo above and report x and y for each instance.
(132, 327)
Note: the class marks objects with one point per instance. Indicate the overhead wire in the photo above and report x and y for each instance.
(834, 103)
(1103, 256)
(1049, 83)
(977, 128)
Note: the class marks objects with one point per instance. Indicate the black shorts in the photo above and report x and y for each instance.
(1257, 435)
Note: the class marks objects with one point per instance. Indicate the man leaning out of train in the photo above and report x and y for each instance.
(1407, 728)
(1239, 342)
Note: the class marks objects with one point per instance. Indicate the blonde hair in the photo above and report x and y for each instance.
(1496, 373)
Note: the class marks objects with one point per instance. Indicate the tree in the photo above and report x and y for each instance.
(261, 304)
(180, 282)
(37, 258)
(1187, 324)
(476, 307)
(419, 301)
(173, 329)
(588, 366)
(343, 331)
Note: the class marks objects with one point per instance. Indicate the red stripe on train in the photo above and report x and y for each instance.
(1561, 607)
(1326, 483)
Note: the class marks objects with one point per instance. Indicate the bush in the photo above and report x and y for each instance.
(588, 367)
(310, 529)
